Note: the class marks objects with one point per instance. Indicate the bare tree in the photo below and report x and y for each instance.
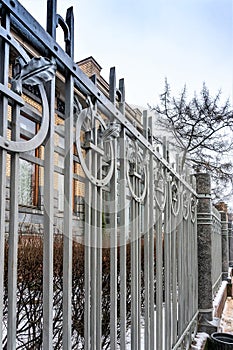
(202, 130)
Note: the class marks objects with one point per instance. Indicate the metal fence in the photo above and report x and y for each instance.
(216, 250)
(139, 210)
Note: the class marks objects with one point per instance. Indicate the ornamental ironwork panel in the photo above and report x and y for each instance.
(113, 226)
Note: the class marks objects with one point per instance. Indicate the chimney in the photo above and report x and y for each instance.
(90, 66)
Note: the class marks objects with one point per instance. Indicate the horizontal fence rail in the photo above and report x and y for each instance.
(98, 227)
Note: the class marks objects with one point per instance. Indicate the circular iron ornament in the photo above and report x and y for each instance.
(175, 198)
(137, 160)
(37, 140)
(193, 208)
(186, 204)
(82, 117)
(161, 189)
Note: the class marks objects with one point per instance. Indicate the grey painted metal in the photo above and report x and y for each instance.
(68, 214)
(160, 190)
(13, 235)
(94, 247)
(167, 267)
(48, 225)
(216, 250)
(4, 71)
(87, 242)
(146, 251)
(99, 242)
(123, 226)
(133, 253)
(83, 81)
(149, 195)
(152, 235)
(113, 229)
(113, 252)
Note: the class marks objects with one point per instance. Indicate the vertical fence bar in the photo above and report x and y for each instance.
(167, 271)
(138, 273)
(48, 199)
(48, 224)
(180, 272)
(113, 252)
(4, 71)
(151, 194)
(186, 276)
(146, 248)
(174, 278)
(13, 235)
(68, 213)
(87, 242)
(167, 260)
(159, 266)
(123, 223)
(193, 212)
(113, 223)
(133, 250)
(94, 244)
(99, 260)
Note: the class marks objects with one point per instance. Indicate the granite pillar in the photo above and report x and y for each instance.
(204, 235)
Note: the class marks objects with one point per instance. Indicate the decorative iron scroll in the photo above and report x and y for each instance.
(160, 188)
(175, 197)
(33, 71)
(186, 204)
(136, 171)
(193, 208)
(95, 136)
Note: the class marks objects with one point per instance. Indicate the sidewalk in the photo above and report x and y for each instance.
(226, 323)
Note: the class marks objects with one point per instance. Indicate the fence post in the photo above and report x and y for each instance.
(204, 233)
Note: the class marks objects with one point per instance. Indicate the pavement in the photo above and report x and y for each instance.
(226, 323)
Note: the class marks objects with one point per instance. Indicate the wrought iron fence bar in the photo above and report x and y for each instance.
(138, 269)
(189, 272)
(113, 222)
(68, 215)
(180, 272)
(152, 235)
(146, 230)
(124, 229)
(48, 224)
(4, 71)
(99, 261)
(146, 276)
(185, 259)
(87, 242)
(159, 275)
(13, 236)
(113, 253)
(133, 253)
(167, 266)
(94, 248)
(174, 244)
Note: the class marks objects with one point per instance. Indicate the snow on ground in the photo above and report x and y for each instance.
(200, 339)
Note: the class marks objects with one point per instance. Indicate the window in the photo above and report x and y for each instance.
(28, 171)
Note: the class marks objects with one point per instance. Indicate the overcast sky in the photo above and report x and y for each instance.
(187, 41)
